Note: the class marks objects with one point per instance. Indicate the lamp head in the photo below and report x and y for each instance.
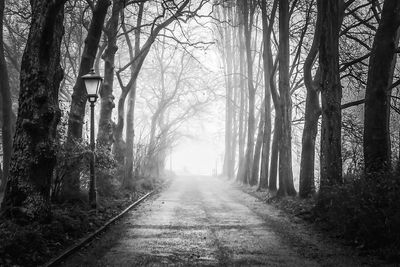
(92, 84)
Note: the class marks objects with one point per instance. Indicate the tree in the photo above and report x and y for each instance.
(135, 65)
(255, 171)
(286, 186)
(268, 66)
(71, 183)
(243, 99)
(311, 116)
(7, 114)
(34, 149)
(331, 93)
(228, 60)
(130, 131)
(177, 89)
(106, 125)
(248, 10)
(377, 148)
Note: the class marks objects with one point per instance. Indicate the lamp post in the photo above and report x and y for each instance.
(92, 83)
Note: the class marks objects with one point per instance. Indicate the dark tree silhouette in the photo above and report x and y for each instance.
(34, 149)
(382, 62)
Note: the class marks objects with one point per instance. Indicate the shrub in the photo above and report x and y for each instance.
(365, 210)
(106, 170)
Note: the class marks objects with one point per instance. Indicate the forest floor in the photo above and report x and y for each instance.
(208, 221)
(33, 244)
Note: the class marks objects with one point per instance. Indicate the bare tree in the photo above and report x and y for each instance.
(286, 186)
(6, 105)
(130, 131)
(248, 9)
(331, 93)
(311, 115)
(106, 125)
(377, 148)
(268, 66)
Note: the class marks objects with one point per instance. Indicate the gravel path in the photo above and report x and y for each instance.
(207, 221)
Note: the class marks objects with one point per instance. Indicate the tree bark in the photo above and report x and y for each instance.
(242, 88)
(6, 106)
(248, 12)
(377, 146)
(286, 186)
(273, 176)
(307, 185)
(311, 116)
(331, 94)
(268, 66)
(227, 167)
(236, 91)
(254, 180)
(34, 149)
(130, 130)
(105, 133)
(71, 183)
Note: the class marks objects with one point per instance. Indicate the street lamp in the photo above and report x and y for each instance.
(92, 83)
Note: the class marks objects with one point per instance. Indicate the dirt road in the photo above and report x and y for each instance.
(207, 221)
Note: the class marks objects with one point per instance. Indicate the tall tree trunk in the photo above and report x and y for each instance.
(377, 95)
(236, 90)
(268, 66)
(248, 11)
(235, 118)
(331, 94)
(307, 185)
(7, 114)
(242, 88)
(34, 149)
(227, 168)
(130, 131)
(285, 144)
(265, 153)
(71, 183)
(105, 133)
(257, 151)
(273, 176)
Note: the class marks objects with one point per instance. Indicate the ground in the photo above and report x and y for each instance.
(207, 221)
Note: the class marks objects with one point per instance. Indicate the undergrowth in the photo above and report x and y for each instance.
(366, 211)
(35, 243)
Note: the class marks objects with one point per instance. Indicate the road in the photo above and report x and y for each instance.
(210, 222)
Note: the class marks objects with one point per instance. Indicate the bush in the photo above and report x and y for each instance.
(108, 179)
(366, 210)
